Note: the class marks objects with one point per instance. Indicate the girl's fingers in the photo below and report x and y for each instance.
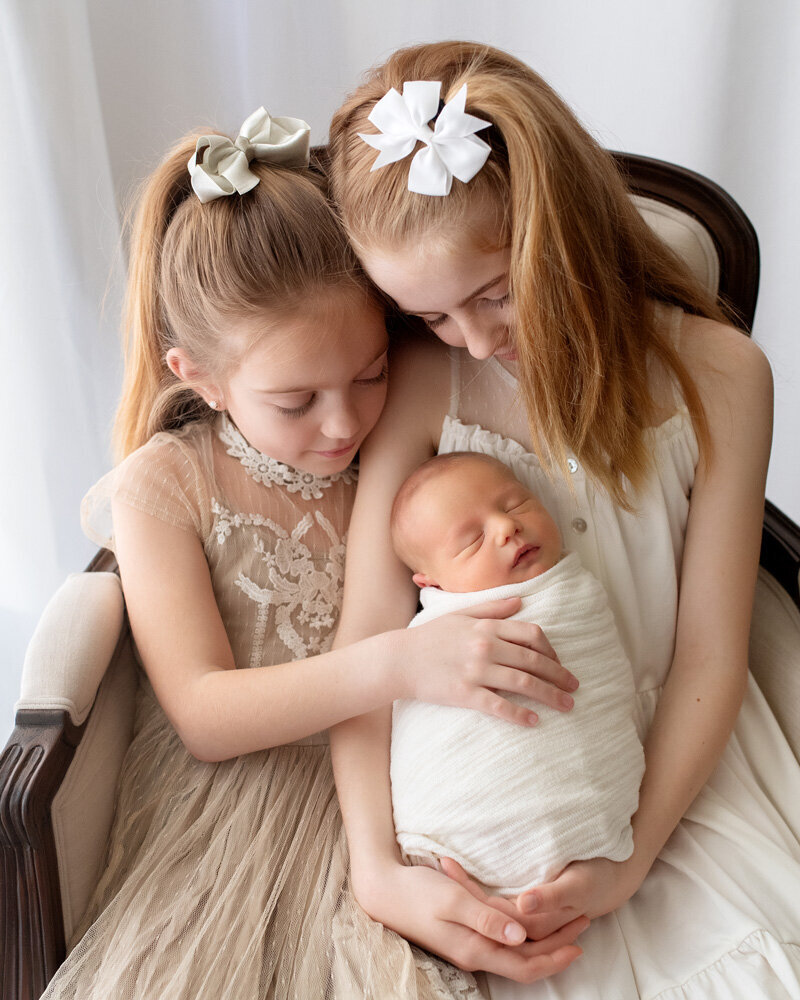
(527, 634)
(543, 662)
(453, 870)
(502, 678)
(564, 925)
(564, 936)
(489, 922)
(542, 925)
(514, 964)
(496, 609)
(491, 703)
(545, 898)
(503, 927)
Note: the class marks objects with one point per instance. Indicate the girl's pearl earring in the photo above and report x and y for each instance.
(213, 404)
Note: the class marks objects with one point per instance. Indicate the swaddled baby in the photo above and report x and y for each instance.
(513, 805)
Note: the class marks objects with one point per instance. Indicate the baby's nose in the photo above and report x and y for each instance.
(505, 528)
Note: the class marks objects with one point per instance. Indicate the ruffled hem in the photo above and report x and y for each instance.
(676, 430)
(760, 967)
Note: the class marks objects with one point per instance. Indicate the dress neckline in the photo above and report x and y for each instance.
(270, 472)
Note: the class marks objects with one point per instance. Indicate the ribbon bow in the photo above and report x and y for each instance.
(220, 167)
(451, 149)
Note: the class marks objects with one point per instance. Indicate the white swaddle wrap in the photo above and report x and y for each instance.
(514, 805)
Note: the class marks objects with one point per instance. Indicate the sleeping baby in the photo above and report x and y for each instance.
(513, 805)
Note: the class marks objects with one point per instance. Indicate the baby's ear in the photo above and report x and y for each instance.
(422, 580)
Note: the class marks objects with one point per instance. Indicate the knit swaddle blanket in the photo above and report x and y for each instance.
(514, 805)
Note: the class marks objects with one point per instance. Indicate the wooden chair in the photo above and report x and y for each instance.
(74, 719)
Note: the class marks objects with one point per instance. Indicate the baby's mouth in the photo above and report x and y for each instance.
(522, 553)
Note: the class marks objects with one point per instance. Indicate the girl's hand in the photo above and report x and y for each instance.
(538, 926)
(464, 926)
(591, 888)
(583, 888)
(466, 660)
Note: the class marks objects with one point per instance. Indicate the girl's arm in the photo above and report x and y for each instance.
(421, 904)
(220, 712)
(706, 683)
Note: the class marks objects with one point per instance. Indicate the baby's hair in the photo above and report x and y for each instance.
(584, 264)
(195, 268)
(399, 521)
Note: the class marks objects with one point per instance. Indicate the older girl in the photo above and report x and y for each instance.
(256, 365)
(584, 355)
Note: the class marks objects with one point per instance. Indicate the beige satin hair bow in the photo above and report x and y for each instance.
(220, 167)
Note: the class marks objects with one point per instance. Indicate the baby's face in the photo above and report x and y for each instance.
(477, 527)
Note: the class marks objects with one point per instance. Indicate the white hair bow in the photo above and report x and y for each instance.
(451, 149)
(220, 167)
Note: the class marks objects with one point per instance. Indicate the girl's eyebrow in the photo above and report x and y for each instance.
(305, 388)
(470, 297)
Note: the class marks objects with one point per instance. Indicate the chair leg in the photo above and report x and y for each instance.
(32, 932)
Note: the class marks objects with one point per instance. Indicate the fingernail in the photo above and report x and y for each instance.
(514, 934)
(566, 701)
(528, 904)
(533, 718)
(573, 683)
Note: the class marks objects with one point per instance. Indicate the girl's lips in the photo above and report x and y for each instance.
(338, 452)
(524, 553)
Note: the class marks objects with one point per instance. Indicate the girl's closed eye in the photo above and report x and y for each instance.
(497, 303)
(296, 411)
(377, 372)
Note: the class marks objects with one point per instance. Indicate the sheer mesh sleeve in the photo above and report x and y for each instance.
(163, 478)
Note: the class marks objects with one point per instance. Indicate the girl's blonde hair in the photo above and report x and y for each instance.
(195, 268)
(585, 267)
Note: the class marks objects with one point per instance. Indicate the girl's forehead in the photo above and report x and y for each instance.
(434, 276)
(326, 346)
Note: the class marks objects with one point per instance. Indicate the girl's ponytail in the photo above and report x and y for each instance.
(151, 396)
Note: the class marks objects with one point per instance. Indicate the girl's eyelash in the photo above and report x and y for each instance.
(492, 303)
(296, 411)
(381, 377)
(498, 303)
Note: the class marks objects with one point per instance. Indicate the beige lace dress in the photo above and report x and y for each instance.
(228, 881)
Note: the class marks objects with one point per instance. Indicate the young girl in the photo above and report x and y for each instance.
(256, 365)
(586, 357)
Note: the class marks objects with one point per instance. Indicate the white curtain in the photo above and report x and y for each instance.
(59, 288)
(93, 91)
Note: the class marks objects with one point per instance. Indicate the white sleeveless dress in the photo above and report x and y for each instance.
(228, 881)
(718, 916)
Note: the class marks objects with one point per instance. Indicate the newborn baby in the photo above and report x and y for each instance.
(512, 805)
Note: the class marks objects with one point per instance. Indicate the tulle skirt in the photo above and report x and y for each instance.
(229, 881)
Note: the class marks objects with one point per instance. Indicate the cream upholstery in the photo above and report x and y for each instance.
(775, 654)
(83, 808)
(72, 645)
(685, 235)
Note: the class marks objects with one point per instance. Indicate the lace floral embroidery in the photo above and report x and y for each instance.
(269, 471)
(305, 597)
(446, 981)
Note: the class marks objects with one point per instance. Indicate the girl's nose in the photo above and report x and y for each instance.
(341, 422)
(481, 337)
